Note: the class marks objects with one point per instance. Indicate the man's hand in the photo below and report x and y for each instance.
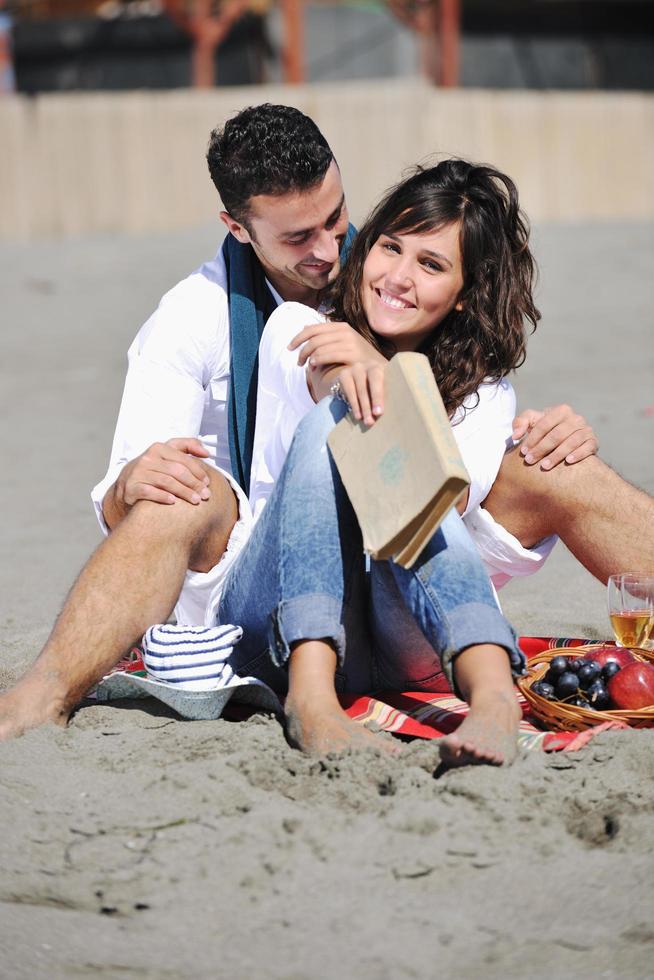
(166, 472)
(333, 343)
(554, 435)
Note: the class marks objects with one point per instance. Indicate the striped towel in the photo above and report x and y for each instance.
(193, 658)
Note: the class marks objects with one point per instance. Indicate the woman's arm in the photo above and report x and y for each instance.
(483, 432)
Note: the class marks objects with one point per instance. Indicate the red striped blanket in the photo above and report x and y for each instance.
(432, 715)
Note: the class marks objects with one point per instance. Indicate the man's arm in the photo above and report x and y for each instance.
(164, 473)
(554, 435)
(176, 355)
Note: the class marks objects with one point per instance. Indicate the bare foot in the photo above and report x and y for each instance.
(27, 705)
(321, 730)
(488, 734)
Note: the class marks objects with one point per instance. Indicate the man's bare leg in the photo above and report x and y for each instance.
(131, 581)
(488, 733)
(607, 523)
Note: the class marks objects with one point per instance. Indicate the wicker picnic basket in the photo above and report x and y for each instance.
(562, 717)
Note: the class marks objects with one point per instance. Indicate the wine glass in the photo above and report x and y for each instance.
(631, 609)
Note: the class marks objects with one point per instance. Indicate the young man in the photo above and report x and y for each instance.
(177, 523)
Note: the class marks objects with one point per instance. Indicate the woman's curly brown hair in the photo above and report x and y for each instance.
(486, 338)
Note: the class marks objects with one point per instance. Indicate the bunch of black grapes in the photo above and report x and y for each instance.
(579, 682)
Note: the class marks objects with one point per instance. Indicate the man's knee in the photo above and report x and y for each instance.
(523, 499)
(216, 523)
(200, 529)
(525, 485)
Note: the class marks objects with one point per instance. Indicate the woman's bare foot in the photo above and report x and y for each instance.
(488, 734)
(315, 721)
(320, 729)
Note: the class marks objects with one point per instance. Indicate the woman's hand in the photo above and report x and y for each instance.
(327, 344)
(554, 435)
(362, 386)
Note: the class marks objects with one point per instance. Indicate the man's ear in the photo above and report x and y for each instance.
(238, 230)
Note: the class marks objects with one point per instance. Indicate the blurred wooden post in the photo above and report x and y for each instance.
(449, 31)
(207, 30)
(438, 26)
(293, 58)
(202, 54)
(7, 78)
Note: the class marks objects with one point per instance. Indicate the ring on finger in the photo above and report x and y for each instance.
(336, 391)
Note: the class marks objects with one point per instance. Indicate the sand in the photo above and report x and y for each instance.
(138, 845)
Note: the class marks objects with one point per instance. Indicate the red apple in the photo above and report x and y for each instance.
(633, 686)
(621, 655)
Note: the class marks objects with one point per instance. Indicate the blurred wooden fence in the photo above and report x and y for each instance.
(75, 164)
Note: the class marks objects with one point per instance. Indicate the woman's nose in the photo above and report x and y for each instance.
(400, 274)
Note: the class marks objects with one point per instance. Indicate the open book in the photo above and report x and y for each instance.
(403, 473)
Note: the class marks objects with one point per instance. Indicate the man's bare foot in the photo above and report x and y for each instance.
(27, 705)
(488, 734)
(321, 730)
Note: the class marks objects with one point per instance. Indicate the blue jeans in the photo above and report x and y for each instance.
(302, 575)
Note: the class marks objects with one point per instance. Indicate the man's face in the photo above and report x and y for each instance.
(297, 236)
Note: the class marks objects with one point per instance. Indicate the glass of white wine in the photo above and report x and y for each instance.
(631, 609)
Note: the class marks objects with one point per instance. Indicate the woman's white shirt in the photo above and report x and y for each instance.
(482, 428)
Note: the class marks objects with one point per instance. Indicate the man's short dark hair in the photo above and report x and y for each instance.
(266, 149)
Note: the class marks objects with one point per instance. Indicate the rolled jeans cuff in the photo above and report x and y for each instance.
(306, 617)
(475, 623)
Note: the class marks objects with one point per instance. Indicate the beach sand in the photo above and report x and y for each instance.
(138, 845)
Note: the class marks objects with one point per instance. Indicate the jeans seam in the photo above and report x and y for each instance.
(442, 614)
(446, 652)
(281, 650)
(244, 669)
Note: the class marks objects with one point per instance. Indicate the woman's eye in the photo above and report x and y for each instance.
(432, 266)
(390, 247)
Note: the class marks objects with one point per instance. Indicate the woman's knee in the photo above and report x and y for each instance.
(314, 429)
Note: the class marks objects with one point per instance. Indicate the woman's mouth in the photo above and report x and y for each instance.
(393, 302)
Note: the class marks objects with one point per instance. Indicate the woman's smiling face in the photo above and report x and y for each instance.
(411, 282)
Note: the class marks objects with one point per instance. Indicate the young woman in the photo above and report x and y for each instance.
(443, 267)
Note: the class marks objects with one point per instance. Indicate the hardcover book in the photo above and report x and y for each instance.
(405, 472)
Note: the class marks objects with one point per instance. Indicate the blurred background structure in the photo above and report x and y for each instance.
(125, 44)
(108, 104)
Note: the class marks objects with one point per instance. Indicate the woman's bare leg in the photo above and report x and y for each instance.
(489, 731)
(315, 721)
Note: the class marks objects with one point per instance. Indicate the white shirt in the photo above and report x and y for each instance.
(482, 431)
(177, 385)
(178, 375)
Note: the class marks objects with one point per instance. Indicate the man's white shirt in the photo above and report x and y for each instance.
(177, 385)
